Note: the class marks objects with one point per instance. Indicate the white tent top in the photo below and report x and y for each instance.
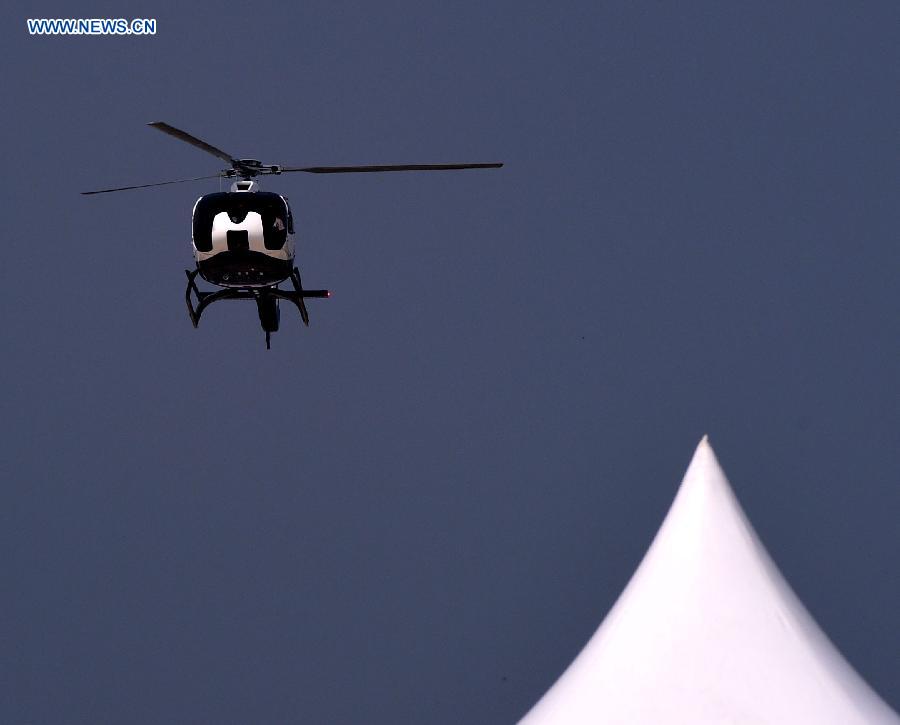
(708, 631)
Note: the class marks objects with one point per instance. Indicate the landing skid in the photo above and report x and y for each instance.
(266, 299)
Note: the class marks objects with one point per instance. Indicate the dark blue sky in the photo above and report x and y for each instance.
(419, 509)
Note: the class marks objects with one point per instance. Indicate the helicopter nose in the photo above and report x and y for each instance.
(238, 240)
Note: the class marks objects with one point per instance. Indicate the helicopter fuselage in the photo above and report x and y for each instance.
(243, 239)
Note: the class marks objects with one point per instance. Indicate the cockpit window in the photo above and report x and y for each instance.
(271, 208)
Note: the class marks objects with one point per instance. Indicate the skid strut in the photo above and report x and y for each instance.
(266, 299)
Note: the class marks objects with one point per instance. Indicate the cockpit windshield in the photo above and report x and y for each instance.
(271, 208)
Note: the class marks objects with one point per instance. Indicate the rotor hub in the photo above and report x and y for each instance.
(250, 168)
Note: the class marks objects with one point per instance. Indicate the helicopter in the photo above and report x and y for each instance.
(243, 239)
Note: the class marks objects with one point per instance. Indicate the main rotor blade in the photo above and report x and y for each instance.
(193, 141)
(394, 167)
(144, 186)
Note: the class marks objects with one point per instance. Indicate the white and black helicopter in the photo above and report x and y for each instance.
(243, 239)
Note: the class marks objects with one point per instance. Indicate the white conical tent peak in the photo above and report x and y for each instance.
(708, 631)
